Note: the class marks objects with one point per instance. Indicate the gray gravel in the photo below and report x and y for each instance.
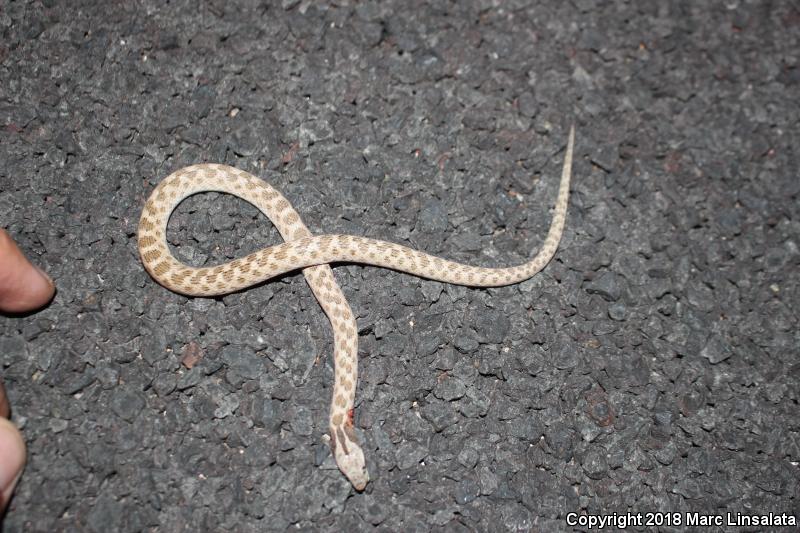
(653, 365)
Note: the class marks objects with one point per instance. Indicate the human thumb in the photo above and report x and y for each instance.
(12, 459)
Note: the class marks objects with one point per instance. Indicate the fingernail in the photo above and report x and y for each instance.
(6, 492)
(47, 278)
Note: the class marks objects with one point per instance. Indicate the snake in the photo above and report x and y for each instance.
(313, 255)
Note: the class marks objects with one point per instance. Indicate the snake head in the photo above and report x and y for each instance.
(349, 456)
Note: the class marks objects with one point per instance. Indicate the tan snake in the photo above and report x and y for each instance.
(313, 254)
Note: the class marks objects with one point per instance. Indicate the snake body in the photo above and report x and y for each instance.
(313, 254)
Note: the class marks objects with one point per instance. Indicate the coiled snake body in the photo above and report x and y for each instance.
(313, 254)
